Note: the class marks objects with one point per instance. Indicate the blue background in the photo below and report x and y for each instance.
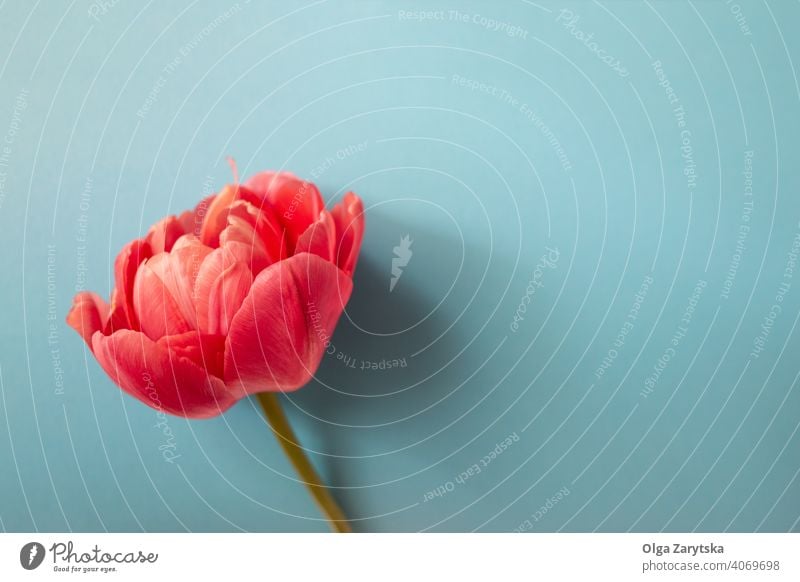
(114, 115)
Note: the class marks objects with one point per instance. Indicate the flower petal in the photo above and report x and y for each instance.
(160, 377)
(192, 220)
(297, 202)
(117, 317)
(278, 337)
(349, 218)
(222, 284)
(178, 271)
(163, 234)
(88, 314)
(207, 351)
(243, 239)
(157, 309)
(125, 266)
(226, 296)
(216, 217)
(319, 238)
(261, 214)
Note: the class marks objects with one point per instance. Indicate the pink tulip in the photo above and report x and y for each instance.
(236, 297)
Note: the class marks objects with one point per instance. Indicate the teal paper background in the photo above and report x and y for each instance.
(486, 142)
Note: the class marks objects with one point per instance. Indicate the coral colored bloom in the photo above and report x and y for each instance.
(235, 297)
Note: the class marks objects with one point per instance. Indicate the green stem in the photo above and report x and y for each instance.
(291, 446)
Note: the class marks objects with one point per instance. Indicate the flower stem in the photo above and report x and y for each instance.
(291, 446)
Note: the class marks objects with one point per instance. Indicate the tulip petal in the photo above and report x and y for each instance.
(226, 296)
(125, 266)
(205, 350)
(117, 318)
(216, 218)
(349, 218)
(259, 212)
(278, 337)
(178, 271)
(88, 314)
(297, 202)
(242, 238)
(163, 234)
(160, 377)
(319, 238)
(192, 220)
(157, 309)
(222, 284)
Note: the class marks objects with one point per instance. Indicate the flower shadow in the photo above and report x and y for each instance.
(387, 369)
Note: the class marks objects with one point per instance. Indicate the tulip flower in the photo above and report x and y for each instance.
(236, 297)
